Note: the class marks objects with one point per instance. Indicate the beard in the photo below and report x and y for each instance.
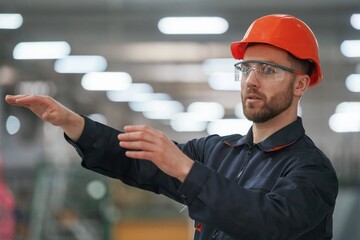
(275, 105)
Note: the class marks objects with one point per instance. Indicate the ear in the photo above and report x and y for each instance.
(301, 84)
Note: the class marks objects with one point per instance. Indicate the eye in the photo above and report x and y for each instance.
(266, 69)
(245, 69)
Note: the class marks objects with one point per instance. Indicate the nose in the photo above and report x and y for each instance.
(252, 80)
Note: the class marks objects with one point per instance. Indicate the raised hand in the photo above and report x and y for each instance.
(49, 110)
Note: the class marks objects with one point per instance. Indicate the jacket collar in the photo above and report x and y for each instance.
(286, 136)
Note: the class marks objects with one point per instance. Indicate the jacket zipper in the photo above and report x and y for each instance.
(249, 152)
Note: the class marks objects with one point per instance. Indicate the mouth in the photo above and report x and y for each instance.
(252, 97)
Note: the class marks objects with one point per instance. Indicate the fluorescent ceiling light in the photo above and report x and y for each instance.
(224, 81)
(206, 111)
(355, 21)
(187, 122)
(106, 81)
(193, 25)
(80, 64)
(348, 107)
(350, 48)
(128, 94)
(346, 117)
(214, 65)
(345, 122)
(10, 20)
(352, 82)
(41, 50)
(229, 126)
(138, 102)
(162, 109)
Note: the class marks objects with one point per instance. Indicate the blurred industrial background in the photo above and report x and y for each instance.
(169, 77)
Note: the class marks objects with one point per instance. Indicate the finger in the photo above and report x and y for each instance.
(32, 99)
(137, 132)
(137, 145)
(12, 98)
(139, 155)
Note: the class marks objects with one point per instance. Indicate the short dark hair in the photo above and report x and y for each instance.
(303, 65)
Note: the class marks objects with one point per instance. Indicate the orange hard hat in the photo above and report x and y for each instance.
(285, 32)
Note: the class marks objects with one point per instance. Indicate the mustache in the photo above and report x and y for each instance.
(252, 91)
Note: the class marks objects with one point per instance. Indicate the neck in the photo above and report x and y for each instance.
(261, 131)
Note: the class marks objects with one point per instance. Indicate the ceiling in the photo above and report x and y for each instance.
(125, 32)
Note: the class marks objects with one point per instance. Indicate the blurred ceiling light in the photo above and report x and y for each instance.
(352, 82)
(345, 122)
(350, 48)
(158, 109)
(127, 95)
(213, 65)
(348, 107)
(138, 102)
(106, 81)
(206, 111)
(355, 21)
(346, 117)
(187, 122)
(224, 81)
(41, 50)
(224, 127)
(80, 64)
(10, 20)
(34, 87)
(193, 25)
(12, 125)
(96, 189)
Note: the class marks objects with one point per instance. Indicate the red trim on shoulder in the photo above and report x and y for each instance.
(198, 227)
(281, 147)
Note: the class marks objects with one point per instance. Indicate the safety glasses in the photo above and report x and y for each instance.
(263, 71)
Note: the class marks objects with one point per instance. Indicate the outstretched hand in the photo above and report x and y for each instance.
(49, 110)
(144, 142)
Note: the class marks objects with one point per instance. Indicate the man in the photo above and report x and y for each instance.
(272, 183)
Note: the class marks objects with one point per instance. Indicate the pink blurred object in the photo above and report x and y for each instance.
(7, 209)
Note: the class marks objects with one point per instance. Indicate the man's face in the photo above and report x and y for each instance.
(264, 100)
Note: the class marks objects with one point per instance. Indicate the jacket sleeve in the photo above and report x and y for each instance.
(298, 202)
(99, 149)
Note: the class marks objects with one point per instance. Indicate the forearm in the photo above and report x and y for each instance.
(73, 126)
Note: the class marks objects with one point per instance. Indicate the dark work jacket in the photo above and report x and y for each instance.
(281, 188)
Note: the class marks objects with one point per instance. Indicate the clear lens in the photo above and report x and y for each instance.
(262, 72)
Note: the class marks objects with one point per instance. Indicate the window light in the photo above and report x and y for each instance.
(41, 50)
(10, 20)
(193, 25)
